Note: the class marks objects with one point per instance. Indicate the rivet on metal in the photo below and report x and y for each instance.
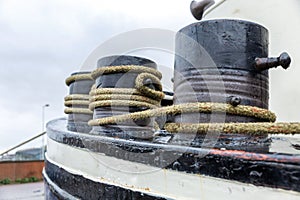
(235, 101)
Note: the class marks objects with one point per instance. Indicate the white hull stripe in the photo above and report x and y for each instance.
(155, 181)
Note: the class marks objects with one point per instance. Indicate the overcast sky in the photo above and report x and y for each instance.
(43, 42)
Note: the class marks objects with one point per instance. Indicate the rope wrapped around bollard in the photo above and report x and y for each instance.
(147, 97)
(258, 128)
(77, 102)
(189, 108)
(141, 96)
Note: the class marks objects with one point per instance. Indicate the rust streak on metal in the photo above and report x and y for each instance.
(257, 156)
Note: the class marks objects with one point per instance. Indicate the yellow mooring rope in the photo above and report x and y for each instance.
(78, 77)
(124, 97)
(241, 110)
(77, 97)
(77, 103)
(260, 128)
(123, 69)
(143, 96)
(140, 96)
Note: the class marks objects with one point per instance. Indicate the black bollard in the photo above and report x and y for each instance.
(139, 129)
(229, 75)
(215, 62)
(77, 122)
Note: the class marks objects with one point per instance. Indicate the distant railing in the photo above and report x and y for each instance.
(21, 144)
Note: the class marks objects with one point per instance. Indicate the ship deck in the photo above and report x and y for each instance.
(118, 167)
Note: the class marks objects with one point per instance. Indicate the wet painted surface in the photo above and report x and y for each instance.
(270, 169)
(83, 188)
(167, 183)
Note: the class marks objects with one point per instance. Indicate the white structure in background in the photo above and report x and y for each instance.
(282, 19)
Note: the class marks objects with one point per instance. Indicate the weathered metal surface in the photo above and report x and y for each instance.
(233, 46)
(80, 86)
(78, 122)
(215, 62)
(167, 101)
(138, 129)
(258, 144)
(117, 80)
(283, 60)
(85, 188)
(198, 8)
(276, 170)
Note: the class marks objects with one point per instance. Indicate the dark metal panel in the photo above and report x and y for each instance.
(139, 129)
(78, 122)
(261, 169)
(83, 188)
(232, 46)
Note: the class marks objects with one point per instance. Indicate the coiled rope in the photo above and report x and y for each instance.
(254, 129)
(77, 97)
(77, 103)
(78, 77)
(189, 108)
(124, 69)
(146, 97)
(140, 96)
